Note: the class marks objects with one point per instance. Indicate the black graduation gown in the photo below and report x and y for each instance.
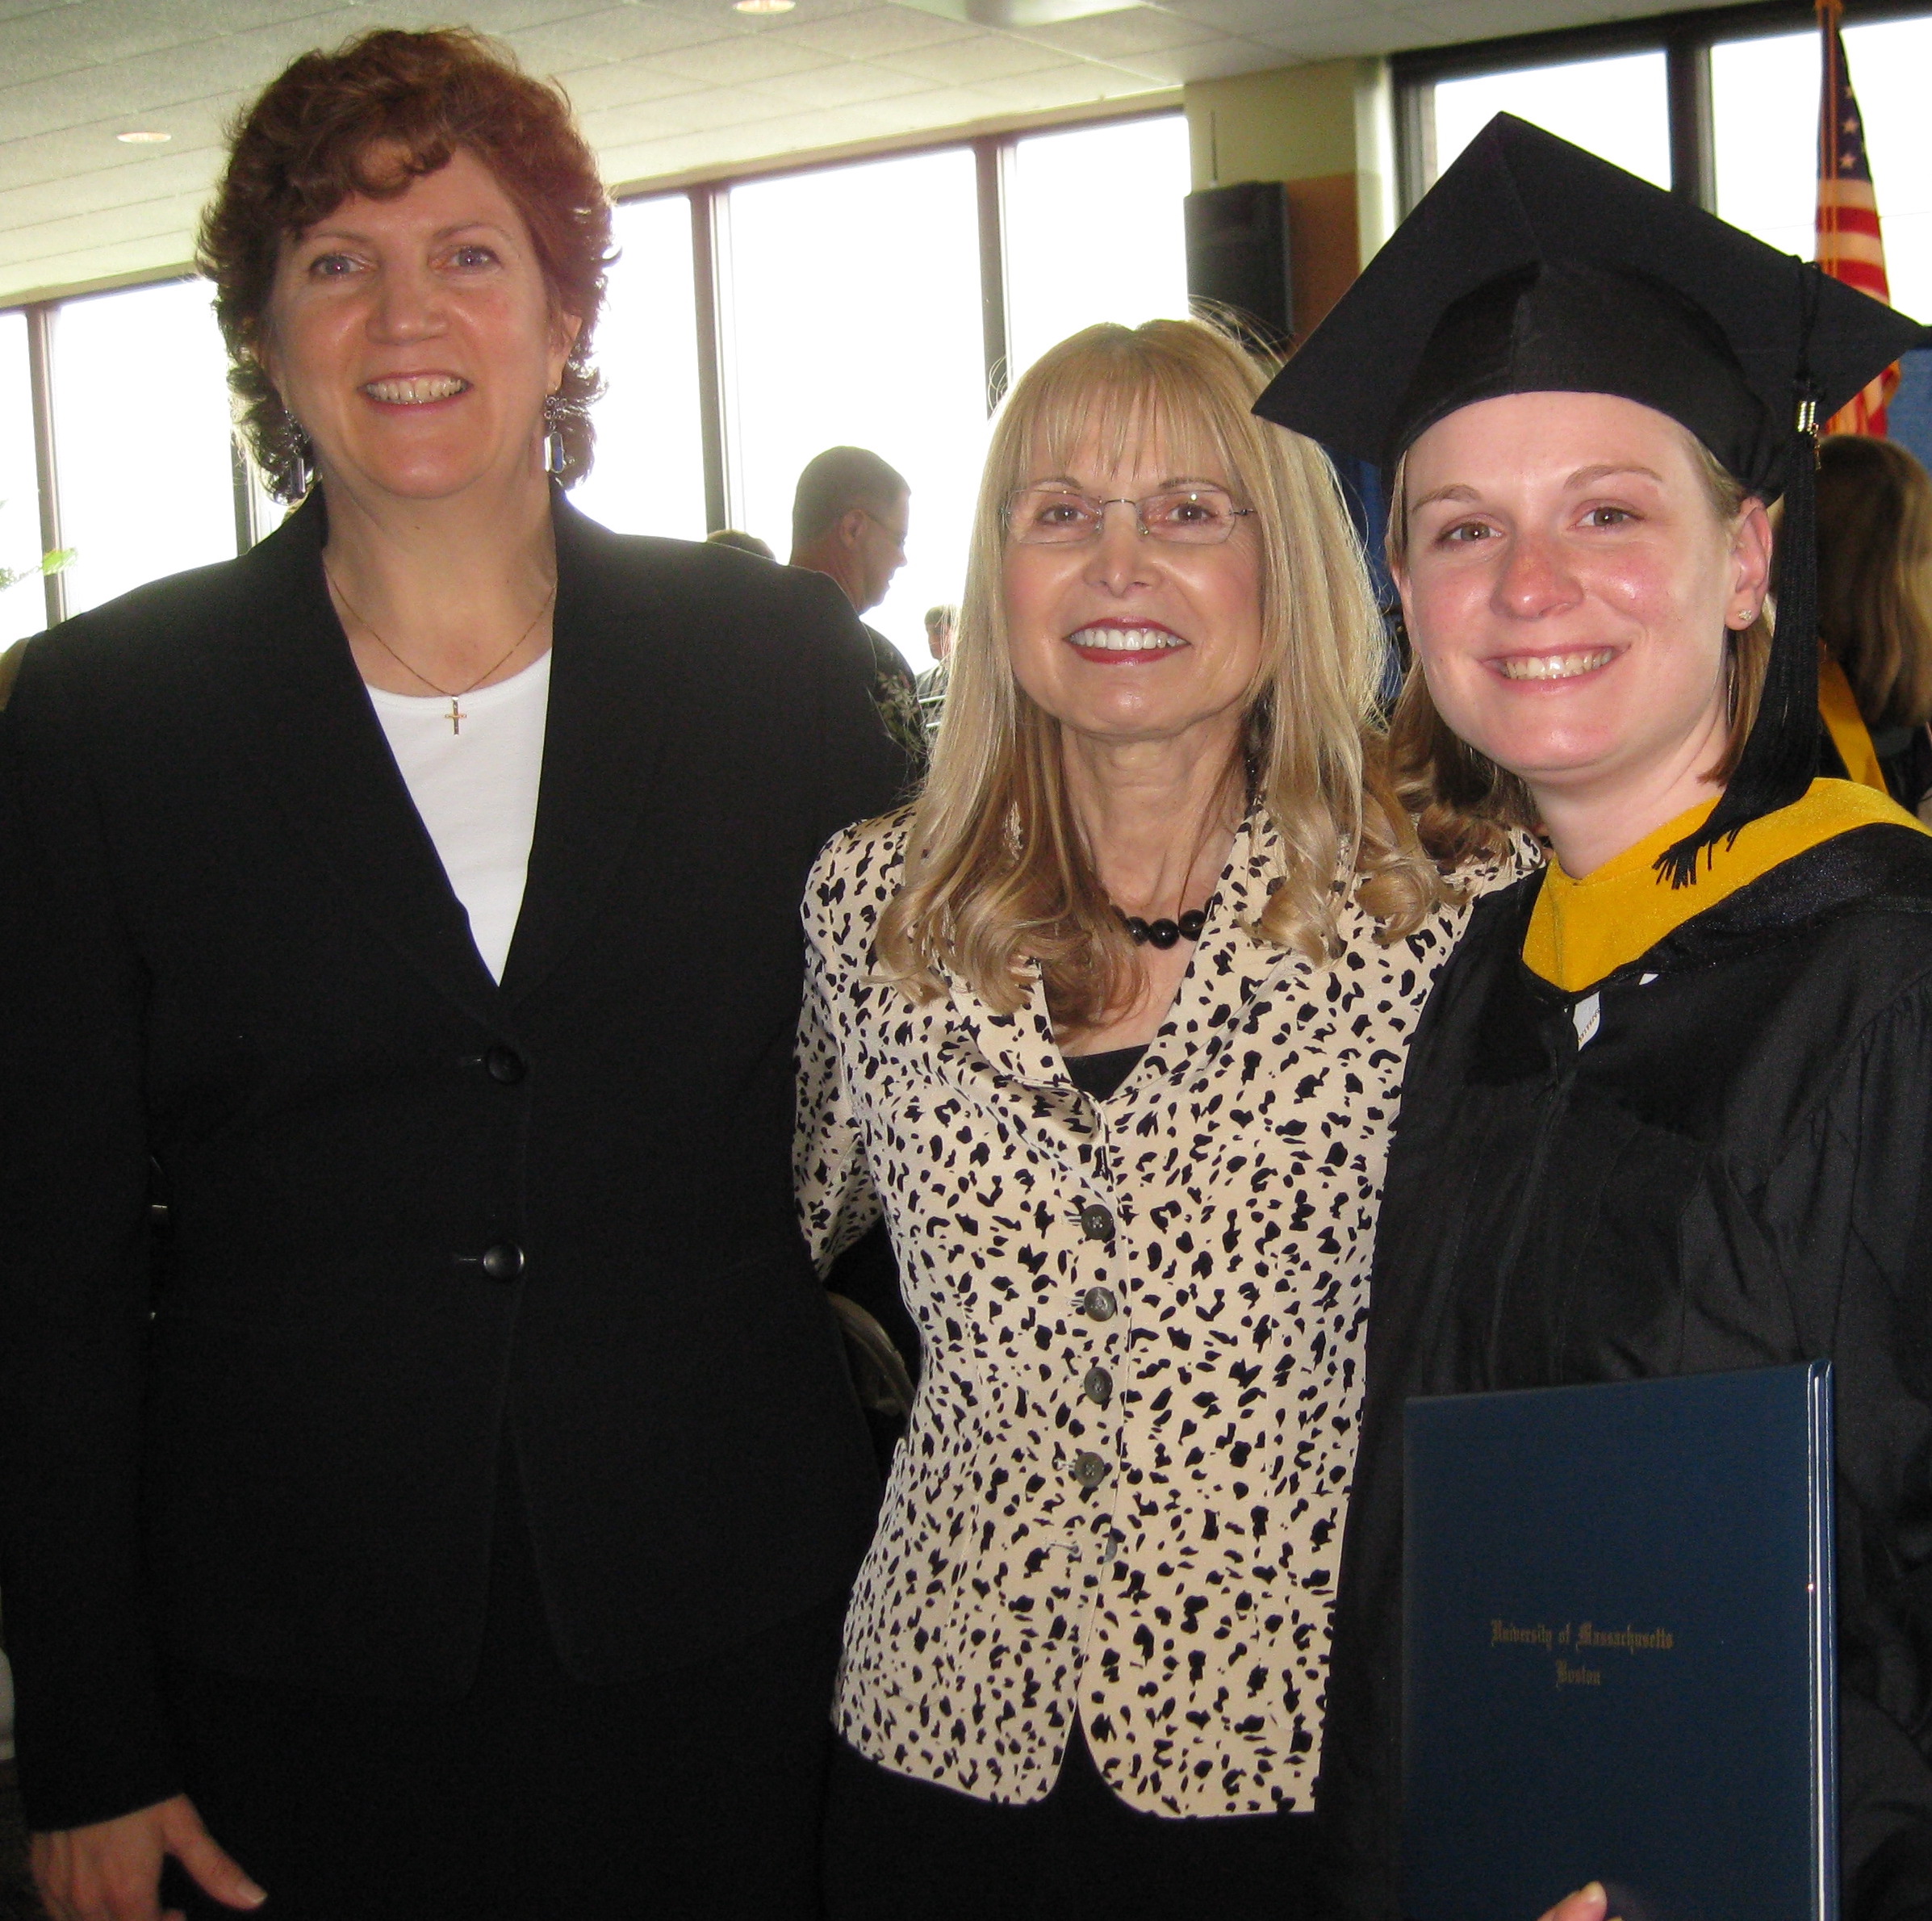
(1735, 1171)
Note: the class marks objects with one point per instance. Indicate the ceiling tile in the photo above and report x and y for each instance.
(614, 33)
(104, 99)
(728, 63)
(505, 18)
(177, 75)
(1212, 60)
(697, 112)
(621, 83)
(862, 120)
(70, 151)
(172, 219)
(943, 107)
(964, 63)
(663, 87)
(76, 265)
(1477, 19)
(36, 45)
(746, 26)
(79, 193)
(879, 31)
(1348, 34)
(1060, 86)
(845, 83)
(1268, 19)
(1106, 36)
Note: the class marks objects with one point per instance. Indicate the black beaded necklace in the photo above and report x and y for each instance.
(1163, 934)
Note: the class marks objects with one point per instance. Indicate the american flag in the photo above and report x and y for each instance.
(1850, 246)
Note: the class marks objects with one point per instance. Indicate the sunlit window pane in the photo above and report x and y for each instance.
(141, 437)
(649, 473)
(854, 321)
(1888, 62)
(1764, 99)
(1764, 115)
(1617, 107)
(23, 605)
(1095, 230)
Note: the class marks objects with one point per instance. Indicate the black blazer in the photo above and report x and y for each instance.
(412, 1212)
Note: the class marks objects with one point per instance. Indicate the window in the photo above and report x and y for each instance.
(854, 321)
(1767, 180)
(1618, 107)
(1095, 230)
(846, 308)
(1751, 156)
(23, 605)
(648, 477)
(141, 437)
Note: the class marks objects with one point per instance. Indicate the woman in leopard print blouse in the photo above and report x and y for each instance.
(1117, 1051)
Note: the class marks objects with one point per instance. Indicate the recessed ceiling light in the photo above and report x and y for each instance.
(145, 137)
(763, 6)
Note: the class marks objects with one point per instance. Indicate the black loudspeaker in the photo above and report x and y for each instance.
(1237, 255)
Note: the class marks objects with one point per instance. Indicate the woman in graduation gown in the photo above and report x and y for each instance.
(1670, 1108)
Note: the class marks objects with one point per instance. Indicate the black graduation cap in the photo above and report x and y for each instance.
(1532, 266)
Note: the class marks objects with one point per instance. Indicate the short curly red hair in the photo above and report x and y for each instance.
(305, 147)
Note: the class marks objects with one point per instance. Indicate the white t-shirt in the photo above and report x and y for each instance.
(474, 783)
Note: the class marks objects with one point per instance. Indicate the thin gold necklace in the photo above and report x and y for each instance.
(452, 695)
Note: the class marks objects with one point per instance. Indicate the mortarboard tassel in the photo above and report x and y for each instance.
(1780, 759)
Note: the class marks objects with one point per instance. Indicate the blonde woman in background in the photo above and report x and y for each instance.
(1111, 1026)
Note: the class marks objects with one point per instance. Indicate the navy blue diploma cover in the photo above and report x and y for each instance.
(1620, 1650)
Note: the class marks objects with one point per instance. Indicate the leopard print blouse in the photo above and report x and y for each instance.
(1121, 1493)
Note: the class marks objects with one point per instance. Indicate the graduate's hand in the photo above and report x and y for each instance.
(1586, 1904)
(111, 1871)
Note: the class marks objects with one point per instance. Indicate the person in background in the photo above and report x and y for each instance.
(1875, 613)
(745, 543)
(940, 621)
(1110, 1029)
(448, 1516)
(1669, 1111)
(850, 514)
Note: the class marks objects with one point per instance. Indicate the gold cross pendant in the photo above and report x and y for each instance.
(457, 717)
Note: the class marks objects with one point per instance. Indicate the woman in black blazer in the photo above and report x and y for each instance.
(452, 1505)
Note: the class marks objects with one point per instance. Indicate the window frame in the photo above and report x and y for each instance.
(709, 199)
(710, 206)
(1685, 39)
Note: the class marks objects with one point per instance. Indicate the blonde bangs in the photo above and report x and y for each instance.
(998, 875)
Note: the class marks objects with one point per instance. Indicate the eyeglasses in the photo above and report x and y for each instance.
(896, 535)
(1054, 516)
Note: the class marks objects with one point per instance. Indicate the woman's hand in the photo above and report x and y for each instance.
(1586, 1904)
(111, 1870)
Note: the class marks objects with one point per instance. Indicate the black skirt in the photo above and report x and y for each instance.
(896, 1847)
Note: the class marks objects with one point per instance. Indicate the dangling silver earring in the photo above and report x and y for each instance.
(554, 458)
(301, 461)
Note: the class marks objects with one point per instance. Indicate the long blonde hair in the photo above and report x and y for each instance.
(998, 871)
